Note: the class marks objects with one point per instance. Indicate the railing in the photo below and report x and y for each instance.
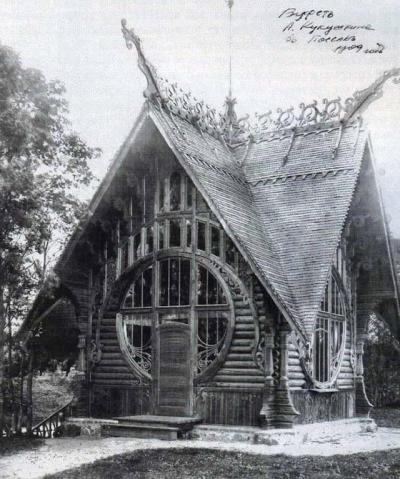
(48, 426)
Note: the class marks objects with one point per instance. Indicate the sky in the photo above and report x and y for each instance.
(79, 42)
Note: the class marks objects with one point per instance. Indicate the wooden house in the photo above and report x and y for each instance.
(227, 270)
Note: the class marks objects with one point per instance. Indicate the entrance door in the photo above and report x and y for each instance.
(174, 379)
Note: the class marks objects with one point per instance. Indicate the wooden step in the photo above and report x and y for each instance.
(246, 334)
(239, 364)
(147, 431)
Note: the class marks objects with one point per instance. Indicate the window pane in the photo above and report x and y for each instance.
(185, 283)
(137, 337)
(164, 282)
(161, 235)
(128, 303)
(174, 233)
(174, 282)
(137, 253)
(215, 240)
(137, 293)
(175, 192)
(201, 285)
(200, 203)
(201, 235)
(189, 193)
(211, 332)
(125, 255)
(161, 198)
(147, 287)
(209, 291)
(188, 233)
(149, 240)
(230, 252)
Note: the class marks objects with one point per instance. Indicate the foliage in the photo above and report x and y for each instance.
(43, 163)
(382, 365)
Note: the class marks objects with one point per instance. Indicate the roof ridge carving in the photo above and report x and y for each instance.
(265, 126)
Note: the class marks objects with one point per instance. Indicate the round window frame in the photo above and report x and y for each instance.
(133, 273)
(347, 317)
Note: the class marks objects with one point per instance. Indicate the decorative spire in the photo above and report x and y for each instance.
(153, 90)
(230, 117)
(230, 5)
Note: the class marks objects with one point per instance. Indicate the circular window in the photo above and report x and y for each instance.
(170, 290)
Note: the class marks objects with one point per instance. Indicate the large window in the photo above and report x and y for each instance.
(329, 333)
(182, 221)
(149, 302)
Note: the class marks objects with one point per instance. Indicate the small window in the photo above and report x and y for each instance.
(161, 235)
(175, 192)
(231, 252)
(201, 236)
(215, 240)
(161, 197)
(188, 233)
(125, 255)
(149, 247)
(201, 205)
(189, 193)
(137, 246)
(174, 233)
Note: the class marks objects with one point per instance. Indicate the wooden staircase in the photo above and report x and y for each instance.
(151, 427)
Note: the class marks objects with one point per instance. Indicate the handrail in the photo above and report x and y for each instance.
(47, 427)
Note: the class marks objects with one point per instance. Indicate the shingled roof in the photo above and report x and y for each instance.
(284, 205)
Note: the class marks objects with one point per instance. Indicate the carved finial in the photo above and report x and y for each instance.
(360, 100)
(152, 91)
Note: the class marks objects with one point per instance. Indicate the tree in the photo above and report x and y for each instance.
(43, 163)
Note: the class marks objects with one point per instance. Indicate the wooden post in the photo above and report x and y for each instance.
(268, 393)
(363, 406)
(82, 353)
(284, 409)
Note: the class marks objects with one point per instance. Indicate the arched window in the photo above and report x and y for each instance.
(148, 303)
(330, 333)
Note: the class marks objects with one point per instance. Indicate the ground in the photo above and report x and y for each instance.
(364, 456)
(371, 455)
(199, 464)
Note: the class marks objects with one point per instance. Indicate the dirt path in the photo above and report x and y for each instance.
(57, 455)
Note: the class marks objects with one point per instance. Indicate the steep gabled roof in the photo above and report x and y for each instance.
(303, 197)
(285, 205)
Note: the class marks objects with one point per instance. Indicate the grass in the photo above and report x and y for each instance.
(50, 392)
(209, 464)
(9, 446)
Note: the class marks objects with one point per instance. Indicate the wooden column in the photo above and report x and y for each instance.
(81, 366)
(277, 410)
(269, 391)
(285, 412)
(363, 406)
